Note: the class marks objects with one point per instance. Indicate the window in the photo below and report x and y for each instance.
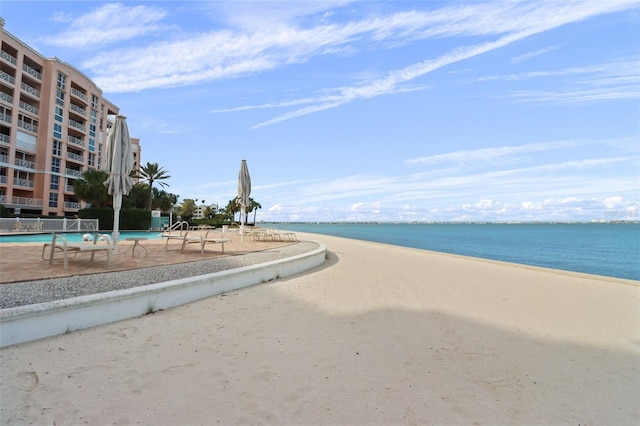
(55, 165)
(92, 145)
(92, 130)
(58, 114)
(57, 131)
(62, 81)
(57, 148)
(94, 116)
(94, 101)
(60, 97)
(92, 160)
(55, 182)
(53, 200)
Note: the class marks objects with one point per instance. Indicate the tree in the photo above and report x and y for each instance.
(186, 211)
(163, 200)
(232, 208)
(90, 188)
(151, 173)
(253, 207)
(138, 197)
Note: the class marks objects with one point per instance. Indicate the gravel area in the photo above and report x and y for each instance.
(32, 292)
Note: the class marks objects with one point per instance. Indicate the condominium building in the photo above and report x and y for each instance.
(53, 127)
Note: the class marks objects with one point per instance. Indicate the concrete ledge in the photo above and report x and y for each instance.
(32, 322)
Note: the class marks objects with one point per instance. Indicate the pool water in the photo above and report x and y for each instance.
(74, 236)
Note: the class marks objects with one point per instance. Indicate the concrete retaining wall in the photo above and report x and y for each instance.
(32, 322)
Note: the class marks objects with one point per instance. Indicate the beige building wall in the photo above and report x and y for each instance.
(53, 127)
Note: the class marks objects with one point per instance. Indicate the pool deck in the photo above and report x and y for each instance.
(23, 261)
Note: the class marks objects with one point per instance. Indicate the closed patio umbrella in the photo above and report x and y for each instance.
(244, 190)
(119, 164)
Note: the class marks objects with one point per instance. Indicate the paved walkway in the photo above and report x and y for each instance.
(23, 262)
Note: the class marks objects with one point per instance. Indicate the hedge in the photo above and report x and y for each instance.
(130, 219)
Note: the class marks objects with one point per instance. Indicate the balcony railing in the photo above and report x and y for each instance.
(76, 140)
(6, 77)
(4, 158)
(30, 89)
(72, 205)
(29, 108)
(6, 97)
(3, 179)
(25, 163)
(77, 109)
(25, 183)
(68, 188)
(73, 172)
(75, 157)
(76, 124)
(21, 201)
(5, 117)
(32, 72)
(78, 94)
(28, 126)
(4, 138)
(8, 57)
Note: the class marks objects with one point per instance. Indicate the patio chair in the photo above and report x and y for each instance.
(59, 243)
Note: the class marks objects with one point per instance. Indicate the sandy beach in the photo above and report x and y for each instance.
(378, 335)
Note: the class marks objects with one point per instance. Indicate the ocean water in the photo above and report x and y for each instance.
(610, 249)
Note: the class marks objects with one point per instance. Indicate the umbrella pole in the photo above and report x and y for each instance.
(242, 224)
(117, 204)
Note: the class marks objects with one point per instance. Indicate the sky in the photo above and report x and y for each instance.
(371, 111)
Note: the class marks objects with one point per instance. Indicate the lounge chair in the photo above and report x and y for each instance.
(60, 243)
(209, 237)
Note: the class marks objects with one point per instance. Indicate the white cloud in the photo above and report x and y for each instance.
(529, 55)
(110, 23)
(498, 155)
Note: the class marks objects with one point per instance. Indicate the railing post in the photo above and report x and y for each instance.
(64, 224)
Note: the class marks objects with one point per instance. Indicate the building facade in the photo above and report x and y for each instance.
(53, 126)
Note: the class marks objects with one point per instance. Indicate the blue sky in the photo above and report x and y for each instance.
(371, 111)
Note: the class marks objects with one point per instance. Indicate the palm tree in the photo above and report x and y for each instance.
(253, 207)
(151, 173)
(90, 188)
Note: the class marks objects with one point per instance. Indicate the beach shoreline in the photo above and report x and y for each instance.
(379, 334)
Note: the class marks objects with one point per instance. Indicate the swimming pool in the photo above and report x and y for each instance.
(73, 236)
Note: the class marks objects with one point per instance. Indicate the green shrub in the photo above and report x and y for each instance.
(130, 219)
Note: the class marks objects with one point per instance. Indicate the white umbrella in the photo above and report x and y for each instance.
(119, 164)
(244, 190)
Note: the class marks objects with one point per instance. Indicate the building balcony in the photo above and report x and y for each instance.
(29, 108)
(6, 97)
(78, 94)
(76, 141)
(24, 183)
(76, 125)
(73, 172)
(6, 77)
(28, 126)
(8, 57)
(78, 110)
(25, 163)
(30, 90)
(68, 188)
(75, 157)
(32, 72)
(72, 205)
(5, 117)
(20, 201)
